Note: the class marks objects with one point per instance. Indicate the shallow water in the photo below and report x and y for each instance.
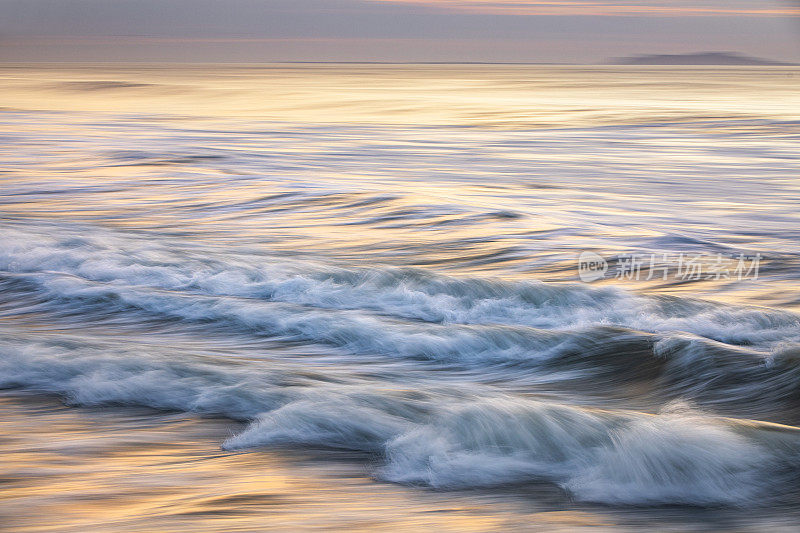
(383, 261)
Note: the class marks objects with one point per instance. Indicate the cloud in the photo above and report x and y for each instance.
(614, 8)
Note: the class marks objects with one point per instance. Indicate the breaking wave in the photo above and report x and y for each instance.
(511, 409)
(439, 436)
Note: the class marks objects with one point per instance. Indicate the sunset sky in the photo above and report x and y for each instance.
(391, 30)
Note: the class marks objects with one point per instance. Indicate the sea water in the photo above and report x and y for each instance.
(288, 296)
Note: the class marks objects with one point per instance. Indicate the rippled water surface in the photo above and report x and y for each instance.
(347, 296)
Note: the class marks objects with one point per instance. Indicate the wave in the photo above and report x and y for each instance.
(117, 264)
(677, 456)
(710, 352)
(479, 424)
(442, 436)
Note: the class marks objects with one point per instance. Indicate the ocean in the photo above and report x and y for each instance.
(399, 297)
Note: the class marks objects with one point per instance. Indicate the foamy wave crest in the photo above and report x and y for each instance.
(678, 364)
(441, 436)
(710, 352)
(674, 457)
(678, 456)
(433, 432)
(114, 262)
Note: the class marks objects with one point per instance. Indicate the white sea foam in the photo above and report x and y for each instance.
(198, 286)
(674, 457)
(439, 436)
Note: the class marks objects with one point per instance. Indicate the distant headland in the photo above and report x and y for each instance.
(701, 58)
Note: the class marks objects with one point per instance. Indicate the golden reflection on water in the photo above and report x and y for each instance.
(510, 96)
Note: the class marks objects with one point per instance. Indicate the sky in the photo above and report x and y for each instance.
(578, 31)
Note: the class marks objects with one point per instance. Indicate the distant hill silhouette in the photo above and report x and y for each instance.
(702, 58)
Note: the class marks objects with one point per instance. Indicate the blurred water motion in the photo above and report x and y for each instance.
(382, 260)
